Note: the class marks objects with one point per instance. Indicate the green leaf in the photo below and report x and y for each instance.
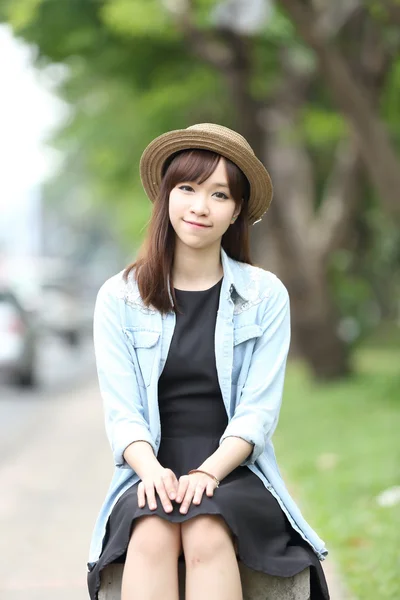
(22, 13)
(136, 17)
(322, 127)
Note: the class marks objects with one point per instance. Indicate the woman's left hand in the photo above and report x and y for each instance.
(191, 489)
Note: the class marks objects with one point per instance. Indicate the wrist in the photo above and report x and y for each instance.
(153, 464)
(207, 473)
(213, 469)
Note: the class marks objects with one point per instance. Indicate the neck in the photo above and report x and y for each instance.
(196, 268)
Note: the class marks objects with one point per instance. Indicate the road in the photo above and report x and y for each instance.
(55, 467)
(60, 367)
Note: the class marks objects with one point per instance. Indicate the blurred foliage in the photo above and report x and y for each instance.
(366, 277)
(129, 79)
(347, 454)
(391, 101)
(130, 76)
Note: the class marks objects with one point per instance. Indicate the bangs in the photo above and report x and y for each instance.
(191, 165)
(197, 165)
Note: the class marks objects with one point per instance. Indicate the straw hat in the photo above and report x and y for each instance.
(209, 136)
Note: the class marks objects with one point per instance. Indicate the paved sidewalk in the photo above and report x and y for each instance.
(52, 486)
(51, 490)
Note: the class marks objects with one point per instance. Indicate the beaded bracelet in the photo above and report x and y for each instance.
(205, 473)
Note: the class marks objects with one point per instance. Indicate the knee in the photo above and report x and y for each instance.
(154, 538)
(205, 538)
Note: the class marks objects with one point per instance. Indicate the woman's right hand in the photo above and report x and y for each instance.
(160, 480)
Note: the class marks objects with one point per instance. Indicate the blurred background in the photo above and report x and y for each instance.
(314, 86)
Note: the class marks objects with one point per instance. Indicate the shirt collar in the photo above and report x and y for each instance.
(234, 276)
(234, 280)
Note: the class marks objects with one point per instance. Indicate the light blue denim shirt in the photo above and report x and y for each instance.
(252, 338)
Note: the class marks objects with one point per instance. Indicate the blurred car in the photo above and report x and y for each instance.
(61, 312)
(18, 339)
(52, 287)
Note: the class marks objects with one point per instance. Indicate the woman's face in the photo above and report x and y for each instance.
(209, 204)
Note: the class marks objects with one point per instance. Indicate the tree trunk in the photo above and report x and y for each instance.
(316, 328)
(313, 316)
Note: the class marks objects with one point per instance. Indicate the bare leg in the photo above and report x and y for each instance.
(151, 566)
(212, 570)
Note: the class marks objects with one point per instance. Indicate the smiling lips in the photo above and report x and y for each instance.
(196, 224)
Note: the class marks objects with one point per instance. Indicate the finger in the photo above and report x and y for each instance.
(151, 496)
(166, 504)
(171, 485)
(140, 495)
(174, 480)
(183, 485)
(198, 493)
(187, 499)
(210, 489)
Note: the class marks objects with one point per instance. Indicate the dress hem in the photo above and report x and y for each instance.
(248, 563)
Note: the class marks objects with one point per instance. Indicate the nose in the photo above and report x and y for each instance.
(200, 204)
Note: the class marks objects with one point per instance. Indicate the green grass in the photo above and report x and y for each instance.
(356, 423)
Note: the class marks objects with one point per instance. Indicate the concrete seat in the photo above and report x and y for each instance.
(256, 585)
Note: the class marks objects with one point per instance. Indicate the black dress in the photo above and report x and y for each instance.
(193, 418)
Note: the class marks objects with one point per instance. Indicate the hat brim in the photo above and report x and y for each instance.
(158, 151)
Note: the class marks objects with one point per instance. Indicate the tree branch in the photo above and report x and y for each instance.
(332, 16)
(370, 134)
(391, 11)
(292, 173)
(203, 44)
(340, 203)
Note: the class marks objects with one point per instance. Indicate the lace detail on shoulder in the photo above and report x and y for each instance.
(128, 291)
(251, 278)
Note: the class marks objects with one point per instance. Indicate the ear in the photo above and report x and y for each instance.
(238, 210)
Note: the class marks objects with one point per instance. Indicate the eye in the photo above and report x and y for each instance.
(181, 187)
(224, 196)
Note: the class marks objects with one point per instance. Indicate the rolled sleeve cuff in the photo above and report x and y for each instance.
(131, 433)
(256, 438)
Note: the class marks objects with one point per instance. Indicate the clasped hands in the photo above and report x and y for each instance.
(189, 488)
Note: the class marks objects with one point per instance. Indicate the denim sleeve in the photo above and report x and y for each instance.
(257, 412)
(123, 408)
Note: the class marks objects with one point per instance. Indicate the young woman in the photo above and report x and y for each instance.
(191, 343)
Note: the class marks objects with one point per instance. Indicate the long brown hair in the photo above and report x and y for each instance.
(153, 268)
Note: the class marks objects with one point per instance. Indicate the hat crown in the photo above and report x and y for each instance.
(214, 128)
